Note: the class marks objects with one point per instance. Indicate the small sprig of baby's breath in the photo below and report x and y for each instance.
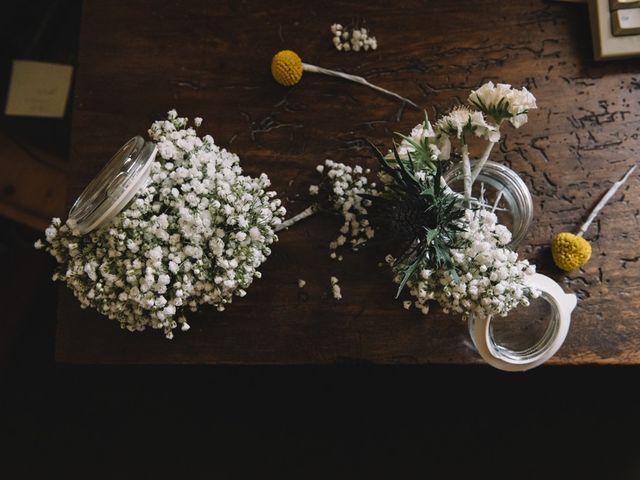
(353, 39)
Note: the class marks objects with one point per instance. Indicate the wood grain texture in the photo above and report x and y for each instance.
(32, 184)
(212, 60)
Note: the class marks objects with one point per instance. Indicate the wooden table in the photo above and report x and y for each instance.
(212, 60)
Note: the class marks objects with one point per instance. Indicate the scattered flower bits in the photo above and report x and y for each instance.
(352, 39)
(335, 288)
(301, 283)
(196, 234)
(346, 187)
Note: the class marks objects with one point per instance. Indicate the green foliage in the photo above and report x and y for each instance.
(498, 112)
(418, 213)
(421, 157)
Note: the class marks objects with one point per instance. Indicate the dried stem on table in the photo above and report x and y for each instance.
(483, 160)
(466, 170)
(307, 212)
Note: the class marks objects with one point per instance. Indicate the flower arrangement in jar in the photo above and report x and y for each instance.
(446, 245)
(195, 234)
(449, 246)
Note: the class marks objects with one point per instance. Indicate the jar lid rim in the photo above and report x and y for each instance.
(109, 192)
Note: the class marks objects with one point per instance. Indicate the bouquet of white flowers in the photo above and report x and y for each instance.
(196, 234)
(449, 246)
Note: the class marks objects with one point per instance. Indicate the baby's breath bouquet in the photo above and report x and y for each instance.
(447, 246)
(196, 234)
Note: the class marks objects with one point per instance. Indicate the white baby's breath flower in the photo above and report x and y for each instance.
(352, 39)
(489, 278)
(335, 288)
(346, 185)
(195, 235)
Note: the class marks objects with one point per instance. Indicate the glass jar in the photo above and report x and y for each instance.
(114, 187)
(555, 317)
(528, 336)
(502, 187)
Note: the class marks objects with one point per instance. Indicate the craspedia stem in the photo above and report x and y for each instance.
(573, 251)
(287, 69)
(603, 201)
(354, 78)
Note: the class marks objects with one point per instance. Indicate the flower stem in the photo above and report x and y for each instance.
(356, 79)
(498, 197)
(307, 212)
(603, 201)
(472, 200)
(485, 156)
(466, 170)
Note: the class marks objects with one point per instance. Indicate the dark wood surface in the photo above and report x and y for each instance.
(34, 151)
(212, 60)
(32, 183)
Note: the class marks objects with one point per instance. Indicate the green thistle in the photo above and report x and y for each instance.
(419, 216)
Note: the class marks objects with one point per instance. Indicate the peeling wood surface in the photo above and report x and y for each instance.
(213, 61)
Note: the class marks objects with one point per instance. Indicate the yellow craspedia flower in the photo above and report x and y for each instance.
(570, 251)
(286, 68)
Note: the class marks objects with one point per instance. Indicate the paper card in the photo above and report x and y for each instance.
(38, 89)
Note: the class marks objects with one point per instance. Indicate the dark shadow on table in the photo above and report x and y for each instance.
(344, 421)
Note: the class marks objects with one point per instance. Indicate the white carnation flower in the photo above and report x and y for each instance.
(418, 134)
(462, 120)
(501, 101)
